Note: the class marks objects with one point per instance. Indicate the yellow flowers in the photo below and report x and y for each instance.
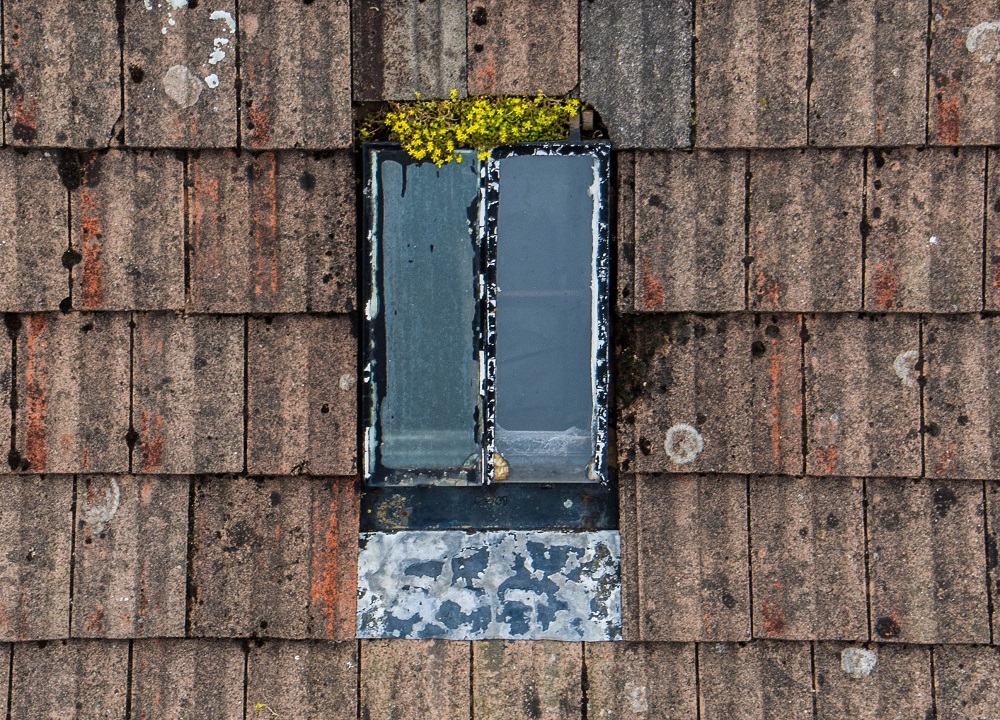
(433, 129)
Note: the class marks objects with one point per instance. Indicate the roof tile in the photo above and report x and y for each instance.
(991, 281)
(808, 561)
(513, 680)
(965, 681)
(302, 396)
(179, 679)
(635, 67)
(928, 565)
(712, 394)
(692, 558)
(405, 48)
(925, 249)
(628, 524)
(180, 75)
(128, 231)
(624, 213)
(751, 68)
(6, 378)
(992, 565)
(863, 395)
(689, 231)
(63, 57)
(640, 680)
(130, 559)
(848, 687)
(522, 47)
(84, 680)
(302, 680)
(188, 393)
(34, 234)
(5, 651)
(961, 417)
(805, 238)
(299, 96)
(763, 679)
(963, 74)
(869, 73)
(72, 379)
(273, 232)
(274, 557)
(414, 679)
(36, 536)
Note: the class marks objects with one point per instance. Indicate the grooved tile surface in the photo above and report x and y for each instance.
(403, 48)
(130, 562)
(965, 681)
(302, 680)
(640, 680)
(187, 394)
(62, 60)
(689, 231)
(767, 680)
(127, 231)
(295, 72)
(414, 679)
(526, 680)
(72, 379)
(857, 682)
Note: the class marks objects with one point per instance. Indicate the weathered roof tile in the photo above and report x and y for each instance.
(180, 679)
(869, 73)
(302, 680)
(180, 74)
(992, 488)
(991, 281)
(273, 232)
(127, 231)
(689, 231)
(692, 574)
(63, 59)
(628, 524)
(640, 680)
(405, 48)
(808, 561)
(7, 338)
(871, 682)
(296, 73)
(188, 393)
(863, 395)
(635, 68)
(522, 47)
(762, 679)
(963, 74)
(274, 557)
(84, 680)
(513, 680)
(130, 559)
(805, 237)
(928, 564)
(751, 68)
(72, 379)
(925, 249)
(35, 532)
(965, 681)
(712, 394)
(962, 364)
(624, 165)
(302, 396)
(414, 679)
(34, 234)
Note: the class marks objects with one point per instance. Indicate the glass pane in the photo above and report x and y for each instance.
(429, 405)
(544, 424)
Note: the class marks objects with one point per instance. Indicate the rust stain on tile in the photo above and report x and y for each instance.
(652, 289)
(331, 590)
(265, 229)
(92, 280)
(769, 290)
(36, 394)
(260, 121)
(775, 375)
(772, 618)
(946, 461)
(151, 442)
(946, 105)
(24, 117)
(885, 282)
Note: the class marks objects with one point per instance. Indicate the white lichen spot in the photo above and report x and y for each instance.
(212, 80)
(636, 695)
(223, 15)
(99, 512)
(148, 4)
(905, 366)
(182, 86)
(858, 662)
(218, 54)
(683, 443)
(568, 504)
(163, 30)
(933, 240)
(347, 381)
(177, 4)
(983, 41)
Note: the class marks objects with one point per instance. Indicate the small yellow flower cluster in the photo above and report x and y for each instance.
(433, 129)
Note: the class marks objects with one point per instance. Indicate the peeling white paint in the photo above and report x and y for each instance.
(97, 514)
(858, 662)
(683, 443)
(905, 367)
(490, 585)
(983, 41)
(182, 86)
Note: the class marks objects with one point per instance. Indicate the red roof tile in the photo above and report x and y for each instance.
(513, 679)
(302, 680)
(415, 679)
